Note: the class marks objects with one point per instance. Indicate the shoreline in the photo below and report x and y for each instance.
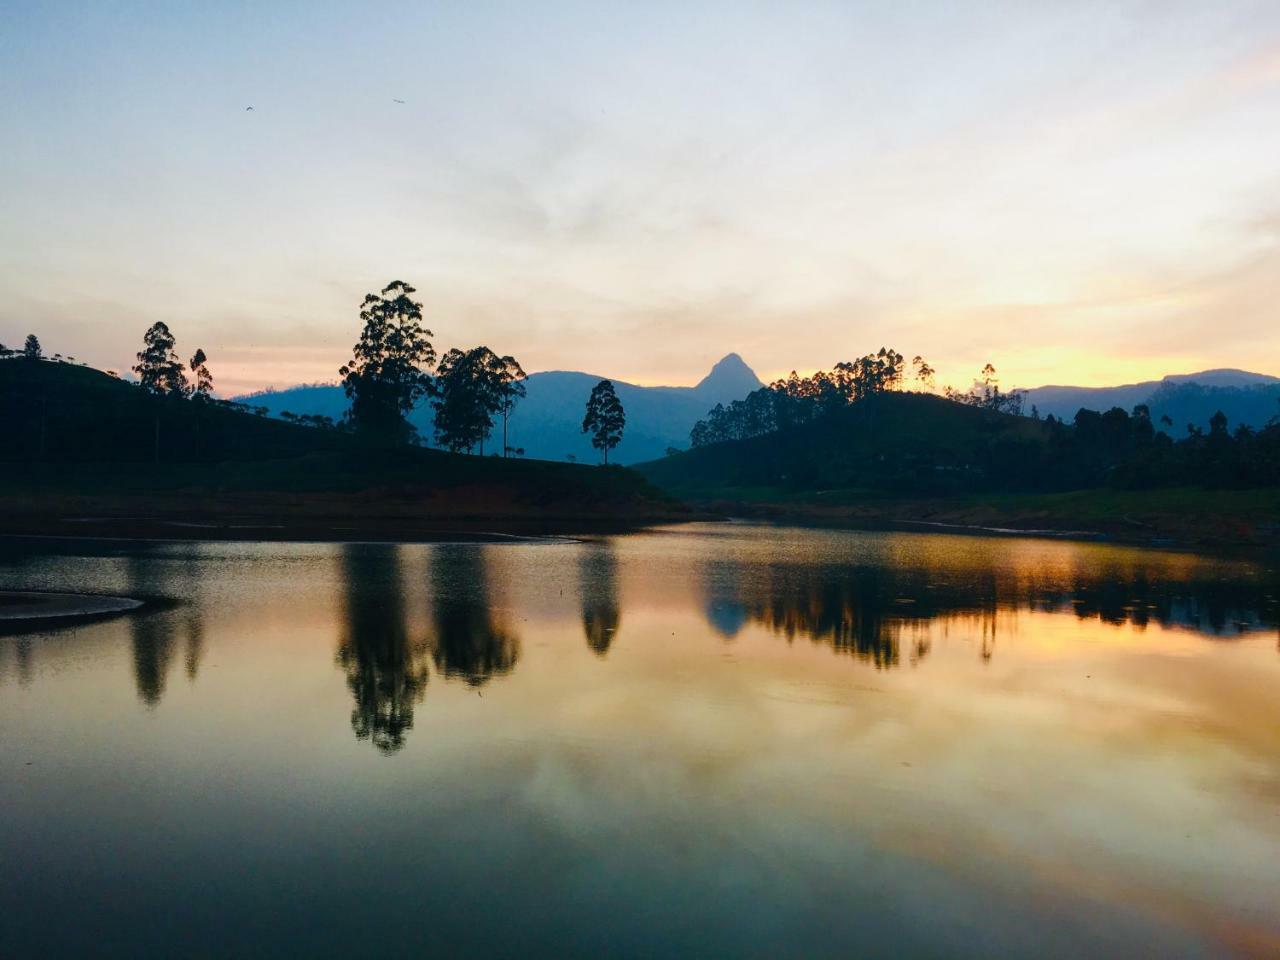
(492, 530)
(1160, 519)
(342, 517)
(212, 533)
(23, 610)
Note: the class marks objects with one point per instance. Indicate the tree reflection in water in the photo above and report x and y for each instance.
(880, 613)
(171, 573)
(865, 612)
(152, 638)
(386, 673)
(601, 614)
(468, 642)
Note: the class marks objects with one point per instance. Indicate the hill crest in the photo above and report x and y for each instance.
(547, 424)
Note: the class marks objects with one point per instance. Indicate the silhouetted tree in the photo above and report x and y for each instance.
(874, 373)
(510, 378)
(795, 400)
(605, 418)
(986, 393)
(470, 390)
(31, 349)
(924, 373)
(204, 379)
(387, 374)
(317, 421)
(158, 368)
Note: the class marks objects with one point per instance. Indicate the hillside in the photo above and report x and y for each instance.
(1246, 398)
(892, 441)
(548, 423)
(913, 460)
(63, 413)
(81, 456)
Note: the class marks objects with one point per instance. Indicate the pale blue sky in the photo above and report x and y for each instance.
(1078, 192)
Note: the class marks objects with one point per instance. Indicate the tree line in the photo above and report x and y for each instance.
(795, 400)
(393, 368)
(1129, 451)
(471, 391)
(1118, 448)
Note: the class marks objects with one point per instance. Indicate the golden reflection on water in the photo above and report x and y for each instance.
(1074, 727)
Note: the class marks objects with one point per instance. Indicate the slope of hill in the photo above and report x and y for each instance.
(87, 453)
(547, 424)
(64, 413)
(1248, 398)
(1191, 402)
(907, 459)
(902, 442)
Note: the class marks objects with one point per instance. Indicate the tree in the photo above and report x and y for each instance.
(204, 379)
(924, 373)
(472, 387)
(509, 378)
(31, 349)
(986, 393)
(1218, 424)
(466, 398)
(387, 375)
(158, 368)
(605, 418)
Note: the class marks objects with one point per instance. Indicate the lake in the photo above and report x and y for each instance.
(709, 740)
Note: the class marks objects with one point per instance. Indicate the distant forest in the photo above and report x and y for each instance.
(473, 393)
(1121, 448)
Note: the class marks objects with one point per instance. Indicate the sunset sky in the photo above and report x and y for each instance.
(1080, 193)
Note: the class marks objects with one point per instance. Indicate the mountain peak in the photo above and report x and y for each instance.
(730, 379)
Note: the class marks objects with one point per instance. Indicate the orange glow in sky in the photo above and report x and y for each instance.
(1079, 193)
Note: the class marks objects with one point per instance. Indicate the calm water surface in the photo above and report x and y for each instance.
(714, 740)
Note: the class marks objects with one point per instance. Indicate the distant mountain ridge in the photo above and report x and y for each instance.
(1186, 398)
(547, 423)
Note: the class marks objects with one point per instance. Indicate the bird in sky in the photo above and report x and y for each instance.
(248, 108)
(397, 101)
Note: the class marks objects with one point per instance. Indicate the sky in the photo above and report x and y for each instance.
(1080, 193)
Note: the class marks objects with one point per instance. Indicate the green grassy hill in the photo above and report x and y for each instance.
(80, 442)
(899, 442)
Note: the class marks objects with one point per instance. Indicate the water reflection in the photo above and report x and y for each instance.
(152, 653)
(194, 627)
(22, 659)
(164, 576)
(879, 612)
(386, 671)
(725, 609)
(601, 613)
(470, 641)
(594, 795)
